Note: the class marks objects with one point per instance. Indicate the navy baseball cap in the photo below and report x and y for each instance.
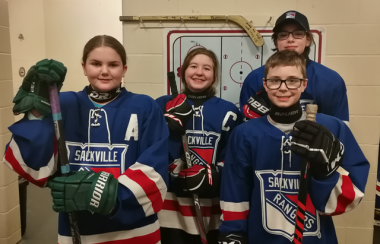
(291, 17)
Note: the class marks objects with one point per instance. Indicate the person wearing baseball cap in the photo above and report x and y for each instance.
(326, 87)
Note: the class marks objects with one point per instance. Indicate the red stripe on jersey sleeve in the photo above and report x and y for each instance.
(346, 197)
(149, 186)
(10, 158)
(378, 188)
(230, 216)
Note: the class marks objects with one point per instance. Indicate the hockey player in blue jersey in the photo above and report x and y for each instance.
(116, 140)
(261, 174)
(208, 122)
(326, 88)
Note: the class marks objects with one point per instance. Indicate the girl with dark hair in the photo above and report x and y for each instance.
(207, 122)
(116, 142)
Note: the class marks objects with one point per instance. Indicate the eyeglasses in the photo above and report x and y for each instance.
(297, 34)
(291, 83)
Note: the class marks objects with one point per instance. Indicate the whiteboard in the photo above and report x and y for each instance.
(236, 53)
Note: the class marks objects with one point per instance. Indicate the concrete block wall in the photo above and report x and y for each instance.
(10, 226)
(352, 50)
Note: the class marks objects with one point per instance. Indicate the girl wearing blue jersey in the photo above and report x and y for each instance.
(116, 142)
(260, 181)
(326, 88)
(207, 121)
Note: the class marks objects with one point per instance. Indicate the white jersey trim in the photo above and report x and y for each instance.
(113, 236)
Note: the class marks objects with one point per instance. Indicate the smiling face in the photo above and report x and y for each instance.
(292, 43)
(199, 75)
(104, 68)
(283, 97)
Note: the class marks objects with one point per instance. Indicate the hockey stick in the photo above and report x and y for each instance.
(62, 154)
(311, 111)
(197, 205)
(238, 19)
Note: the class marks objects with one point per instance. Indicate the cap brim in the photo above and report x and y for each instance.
(278, 27)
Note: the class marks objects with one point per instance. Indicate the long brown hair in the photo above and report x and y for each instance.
(186, 63)
(107, 41)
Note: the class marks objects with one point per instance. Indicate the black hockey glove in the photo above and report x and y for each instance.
(257, 105)
(316, 144)
(232, 239)
(33, 93)
(177, 112)
(201, 180)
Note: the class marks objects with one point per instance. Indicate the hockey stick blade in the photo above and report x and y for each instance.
(197, 204)
(311, 111)
(62, 153)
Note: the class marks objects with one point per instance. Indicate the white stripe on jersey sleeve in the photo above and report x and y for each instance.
(142, 179)
(42, 173)
(348, 194)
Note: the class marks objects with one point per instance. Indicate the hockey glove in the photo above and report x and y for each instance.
(201, 180)
(316, 144)
(84, 190)
(34, 93)
(232, 239)
(177, 112)
(257, 105)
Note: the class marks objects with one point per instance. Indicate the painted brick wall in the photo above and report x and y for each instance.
(10, 227)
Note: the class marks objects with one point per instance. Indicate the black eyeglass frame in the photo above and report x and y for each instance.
(291, 32)
(284, 81)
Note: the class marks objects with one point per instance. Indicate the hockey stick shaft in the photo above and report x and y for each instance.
(255, 36)
(197, 205)
(311, 110)
(62, 153)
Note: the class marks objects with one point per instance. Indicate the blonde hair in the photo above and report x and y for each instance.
(286, 58)
(186, 63)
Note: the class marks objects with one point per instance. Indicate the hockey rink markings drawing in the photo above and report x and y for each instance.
(236, 53)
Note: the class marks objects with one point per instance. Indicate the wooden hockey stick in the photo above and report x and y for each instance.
(238, 19)
(197, 205)
(311, 111)
(62, 153)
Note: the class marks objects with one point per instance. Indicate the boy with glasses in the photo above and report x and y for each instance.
(326, 87)
(262, 166)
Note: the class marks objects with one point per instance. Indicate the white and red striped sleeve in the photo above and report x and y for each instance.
(234, 211)
(14, 160)
(147, 185)
(344, 197)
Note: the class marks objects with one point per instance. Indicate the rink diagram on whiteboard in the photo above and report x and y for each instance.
(236, 53)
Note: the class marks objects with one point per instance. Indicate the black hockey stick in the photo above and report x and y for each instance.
(311, 110)
(197, 205)
(62, 153)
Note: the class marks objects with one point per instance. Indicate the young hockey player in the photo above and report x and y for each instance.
(377, 199)
(326, 87)
(207, 122)
(261, 174)
(116, 142)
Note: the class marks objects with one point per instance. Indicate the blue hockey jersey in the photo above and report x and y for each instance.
(208, 133)
(260, 185)
(127, 137)
(325, 87)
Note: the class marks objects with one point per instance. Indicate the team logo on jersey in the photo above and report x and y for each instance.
(97, 157)
(305, 102)
(202, 146)
(279, 208)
